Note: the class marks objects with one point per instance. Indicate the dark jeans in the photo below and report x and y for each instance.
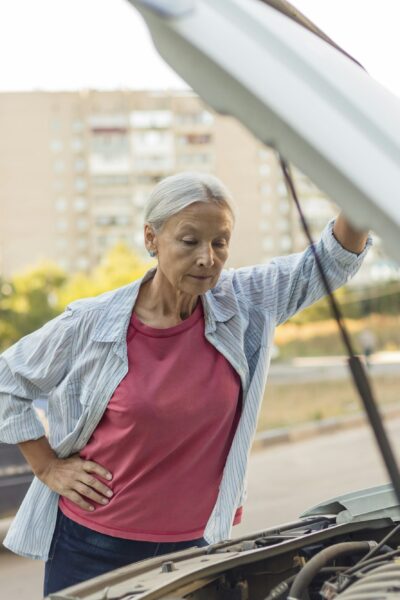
(78, 553)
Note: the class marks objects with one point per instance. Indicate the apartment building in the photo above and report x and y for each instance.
(76, 169)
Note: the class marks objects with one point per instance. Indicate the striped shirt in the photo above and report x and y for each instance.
(80, 357)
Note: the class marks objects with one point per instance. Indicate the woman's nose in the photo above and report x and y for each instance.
(206, 257)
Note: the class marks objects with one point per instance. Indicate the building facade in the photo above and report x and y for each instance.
(76, 169)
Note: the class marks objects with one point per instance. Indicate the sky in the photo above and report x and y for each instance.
(104, 44)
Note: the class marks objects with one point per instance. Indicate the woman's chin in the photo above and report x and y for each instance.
(199, 286)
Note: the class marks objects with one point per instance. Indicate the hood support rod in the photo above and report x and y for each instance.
(359, 375)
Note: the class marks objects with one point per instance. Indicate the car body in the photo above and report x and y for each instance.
(257, 566)
(15, 474)
(15, 479)
(322, 112)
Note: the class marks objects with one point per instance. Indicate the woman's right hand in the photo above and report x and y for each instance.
(75, 479)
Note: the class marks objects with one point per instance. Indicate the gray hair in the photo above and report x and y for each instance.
(176, 192)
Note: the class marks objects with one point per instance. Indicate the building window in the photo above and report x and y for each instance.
(110, 144)
(62, 225)
(263, 154)
(155, 147)
(82, 243)
(77, 144)
(281, 189)
(266, 208)
(203, 118)
(285, 243)
(152, 139)
(82, 224)
(82, 263)
(265, 189)
(80, 165)
(61, 243)
(55, 124)
(118, 220)
(58, 185)
(194, 139)
(195, 159)
(80, 184)
(268, 244)
(123, 220)
(149, 180)
(149, 119)
(264, 170)
(61, 204)
(78, 126)
(56, 146)
(80, 204)
(110, 180)
(284, 206)
(63, 263)
(103, 220)
(59, 166)
(108, 121)
(162, 164)
(140, 198)
(283, 225)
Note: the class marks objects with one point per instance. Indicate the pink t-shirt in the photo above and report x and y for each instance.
(165, 435)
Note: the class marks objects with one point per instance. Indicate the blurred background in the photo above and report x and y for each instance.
(91, 119)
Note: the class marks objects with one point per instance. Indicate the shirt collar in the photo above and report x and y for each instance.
(117, 310)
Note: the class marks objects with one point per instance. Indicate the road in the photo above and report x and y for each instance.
(330, 368)
(283, 481)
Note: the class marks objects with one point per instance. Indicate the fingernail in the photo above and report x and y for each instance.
(109, 493)
(109, 476)
(91, 507)
(105, 501)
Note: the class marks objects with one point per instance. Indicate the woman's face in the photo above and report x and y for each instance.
(192, 246)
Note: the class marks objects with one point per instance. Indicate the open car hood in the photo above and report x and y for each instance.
(294, 92)
(246, 568)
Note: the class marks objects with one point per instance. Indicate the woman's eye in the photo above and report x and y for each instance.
(220, 244)
(189, 242)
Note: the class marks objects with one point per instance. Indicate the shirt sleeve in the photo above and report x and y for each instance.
(30, 368)
(290, 283)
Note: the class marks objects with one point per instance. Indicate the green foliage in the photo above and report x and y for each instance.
(33, 297)
(119, 267)
(356, 304)
(27, 301)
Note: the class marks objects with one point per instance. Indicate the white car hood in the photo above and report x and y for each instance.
(295, 93)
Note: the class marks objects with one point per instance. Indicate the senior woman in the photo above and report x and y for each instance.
(154, 390)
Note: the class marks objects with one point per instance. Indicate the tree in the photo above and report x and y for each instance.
(27, 301)
(120, 266)
(33, 297)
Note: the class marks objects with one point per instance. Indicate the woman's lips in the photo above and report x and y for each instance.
(201, 276)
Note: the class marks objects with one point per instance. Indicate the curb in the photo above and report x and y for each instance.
(297, 433)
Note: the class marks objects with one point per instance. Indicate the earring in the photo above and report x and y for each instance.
(152, 253)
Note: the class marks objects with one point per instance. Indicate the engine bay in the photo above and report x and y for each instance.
(314, 558)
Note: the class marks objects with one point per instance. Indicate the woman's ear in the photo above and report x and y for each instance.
(150, 240)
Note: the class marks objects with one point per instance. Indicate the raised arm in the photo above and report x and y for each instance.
(351, 239)
(290, 283)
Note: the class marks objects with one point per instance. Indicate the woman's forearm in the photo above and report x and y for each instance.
(351, 239)
(38, 453)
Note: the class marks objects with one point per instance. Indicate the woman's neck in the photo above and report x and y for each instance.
(162, 301)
